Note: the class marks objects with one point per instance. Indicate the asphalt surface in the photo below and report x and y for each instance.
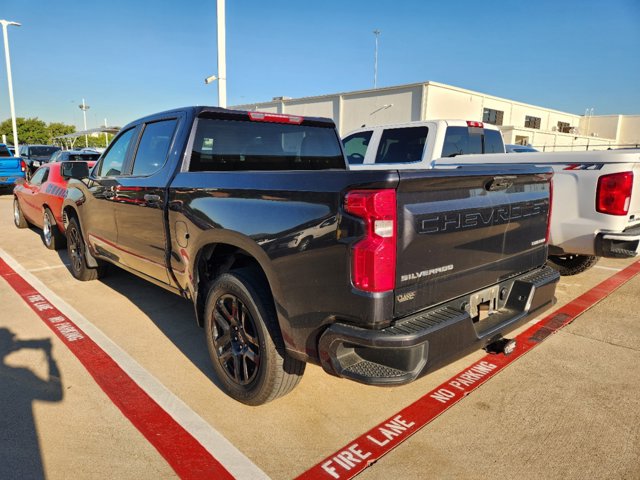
(570, 408)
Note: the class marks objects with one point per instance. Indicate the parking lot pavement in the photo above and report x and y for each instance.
(567, 409)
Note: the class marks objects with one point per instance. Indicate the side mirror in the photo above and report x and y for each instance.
(77, 170)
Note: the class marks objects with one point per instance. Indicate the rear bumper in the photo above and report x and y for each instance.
(9, 179)
(418, 344)
(624, 244)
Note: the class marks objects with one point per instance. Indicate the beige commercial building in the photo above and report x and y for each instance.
(522, 123)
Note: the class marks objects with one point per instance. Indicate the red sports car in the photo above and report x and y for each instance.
(39, 200)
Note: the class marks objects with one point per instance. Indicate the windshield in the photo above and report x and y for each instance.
(87, 157)
(4, 151)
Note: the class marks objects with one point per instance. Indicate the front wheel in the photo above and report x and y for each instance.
(572, 264)
(77, 257)
(244, 340)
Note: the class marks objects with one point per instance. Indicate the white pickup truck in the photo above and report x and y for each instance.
(596, 204)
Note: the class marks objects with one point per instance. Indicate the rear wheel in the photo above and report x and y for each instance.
(77, 257)
(572, 264)
(51, 235)
(244, 340)
(18, 217)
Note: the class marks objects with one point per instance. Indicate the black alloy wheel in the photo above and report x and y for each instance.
(245, 344)
(235, 339)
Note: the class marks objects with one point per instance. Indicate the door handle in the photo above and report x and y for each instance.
(151, 198)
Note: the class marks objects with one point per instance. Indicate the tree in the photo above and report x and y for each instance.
(30, 130)
(57, 129)
(35, 131)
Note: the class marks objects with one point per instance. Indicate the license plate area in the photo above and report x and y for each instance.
(484, 303)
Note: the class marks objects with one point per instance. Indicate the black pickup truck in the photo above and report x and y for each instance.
(288, 257)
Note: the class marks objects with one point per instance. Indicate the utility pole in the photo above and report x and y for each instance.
(4, 24)
(375, 62)
(84, 107)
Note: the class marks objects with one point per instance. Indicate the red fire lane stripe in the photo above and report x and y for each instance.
(181, 450)
(365, 450)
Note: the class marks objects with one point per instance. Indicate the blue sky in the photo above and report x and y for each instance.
(131, 58)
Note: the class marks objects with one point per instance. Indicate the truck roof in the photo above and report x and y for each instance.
(420, 123)
(197, 110)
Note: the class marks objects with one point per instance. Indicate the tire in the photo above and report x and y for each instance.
(76, 251)
(51, 236)
(572, 264)
(304, 244)
(18, 218)
(244, 340)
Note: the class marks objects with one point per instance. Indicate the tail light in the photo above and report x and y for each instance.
(373, 261)
(613, 196)
(475, 124)
(23, 166)
(546, 237)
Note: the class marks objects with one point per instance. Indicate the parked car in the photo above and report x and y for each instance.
(36, 155)
(11, 168)
(512, 148)
(74, 155)
(38, 201)
(404, 273)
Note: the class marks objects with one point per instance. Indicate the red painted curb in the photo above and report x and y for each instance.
(368, 448)
(180, 449)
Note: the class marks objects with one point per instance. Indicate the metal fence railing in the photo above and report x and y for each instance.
(580, 148)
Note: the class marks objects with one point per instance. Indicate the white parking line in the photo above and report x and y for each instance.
(42, 269)
(220, 448)
(602, 267)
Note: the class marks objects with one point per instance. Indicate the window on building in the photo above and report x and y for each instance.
(532, 122)
(493, 117)
(522, 140)
(564, 127)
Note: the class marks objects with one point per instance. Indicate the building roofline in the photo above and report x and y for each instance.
(396, 87)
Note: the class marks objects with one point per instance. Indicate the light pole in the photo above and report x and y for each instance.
(375, 62)
(222, 57)
(4, 24)
(84, 107)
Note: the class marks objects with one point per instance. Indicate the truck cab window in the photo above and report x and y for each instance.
(154, 147)
(114, 159)
(462, 141)
(355, 147)
(402, 145)
(493, 142)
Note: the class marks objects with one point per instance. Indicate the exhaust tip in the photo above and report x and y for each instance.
(503, 345)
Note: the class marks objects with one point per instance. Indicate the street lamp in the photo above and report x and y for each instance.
(222, 58)
(4, 24)
(84, 107)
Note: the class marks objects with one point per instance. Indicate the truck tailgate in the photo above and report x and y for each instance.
(465, 229)
(9, 165)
